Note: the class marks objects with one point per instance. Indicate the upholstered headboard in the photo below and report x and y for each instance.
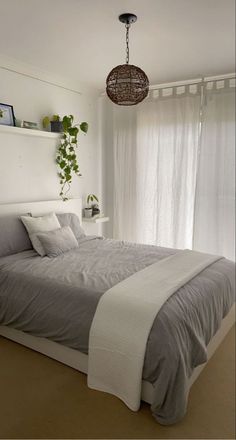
(43, 207)
(13, 235)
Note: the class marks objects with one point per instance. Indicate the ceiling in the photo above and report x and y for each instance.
(83, 39)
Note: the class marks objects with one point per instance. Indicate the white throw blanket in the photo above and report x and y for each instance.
(123, 320)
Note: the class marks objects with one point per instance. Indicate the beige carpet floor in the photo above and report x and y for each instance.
(41, 398)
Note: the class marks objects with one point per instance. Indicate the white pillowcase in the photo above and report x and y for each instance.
(35, 225)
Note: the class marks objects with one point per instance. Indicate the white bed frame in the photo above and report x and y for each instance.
(68, 356)
(41, 208)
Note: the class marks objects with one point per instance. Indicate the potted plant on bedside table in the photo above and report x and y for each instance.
(92, 209)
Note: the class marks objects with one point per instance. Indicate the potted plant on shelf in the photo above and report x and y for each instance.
(66, 157)
(92, 209)
(55, 122)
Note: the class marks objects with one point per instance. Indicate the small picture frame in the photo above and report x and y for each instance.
(7, 115)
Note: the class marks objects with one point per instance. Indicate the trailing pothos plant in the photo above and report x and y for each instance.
(66, 158)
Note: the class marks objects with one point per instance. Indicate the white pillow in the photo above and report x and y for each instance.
(35, 225)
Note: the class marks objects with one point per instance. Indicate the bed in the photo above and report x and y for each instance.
(96, 259)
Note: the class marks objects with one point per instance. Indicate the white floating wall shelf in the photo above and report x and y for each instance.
(29, 132)
(99, 219)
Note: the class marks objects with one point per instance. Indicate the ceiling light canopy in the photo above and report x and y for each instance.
(127, 84)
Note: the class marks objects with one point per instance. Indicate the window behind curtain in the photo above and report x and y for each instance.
(156, 146)
(174, 183)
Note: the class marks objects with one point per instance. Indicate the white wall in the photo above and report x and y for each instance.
(27, 168)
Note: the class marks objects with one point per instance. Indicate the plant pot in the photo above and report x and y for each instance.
(96, 211)
(88, 212)
(56, 126)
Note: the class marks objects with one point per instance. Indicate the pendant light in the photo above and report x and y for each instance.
(127, 84)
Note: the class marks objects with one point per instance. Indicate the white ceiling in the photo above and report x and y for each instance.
(83, 39)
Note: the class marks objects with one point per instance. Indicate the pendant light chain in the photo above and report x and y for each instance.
(127, 43)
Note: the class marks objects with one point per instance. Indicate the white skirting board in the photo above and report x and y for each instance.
(79, 361)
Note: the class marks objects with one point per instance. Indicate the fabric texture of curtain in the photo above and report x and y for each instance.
(214, 224)
(174, 169)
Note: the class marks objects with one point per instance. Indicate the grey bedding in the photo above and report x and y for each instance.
(57, 298)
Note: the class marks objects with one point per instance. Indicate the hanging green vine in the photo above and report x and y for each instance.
(66, 158)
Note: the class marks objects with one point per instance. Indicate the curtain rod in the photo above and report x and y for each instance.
(193, 81)
(189, 82)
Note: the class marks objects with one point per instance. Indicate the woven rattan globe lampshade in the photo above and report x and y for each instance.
(127, 84)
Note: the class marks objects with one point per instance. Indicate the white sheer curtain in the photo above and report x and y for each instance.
(125, 175)
(214, 225)
(173, 187)
(156, 146)
(167, 141)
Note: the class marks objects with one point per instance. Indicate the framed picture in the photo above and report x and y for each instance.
(6, 115)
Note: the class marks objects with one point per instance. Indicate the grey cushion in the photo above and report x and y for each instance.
(58, 241)
(72, 220)
(13, 236)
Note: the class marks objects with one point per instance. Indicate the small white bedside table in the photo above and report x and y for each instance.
(96, 219)
(89, 223)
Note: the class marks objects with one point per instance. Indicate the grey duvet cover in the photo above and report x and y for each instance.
(57, 298)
